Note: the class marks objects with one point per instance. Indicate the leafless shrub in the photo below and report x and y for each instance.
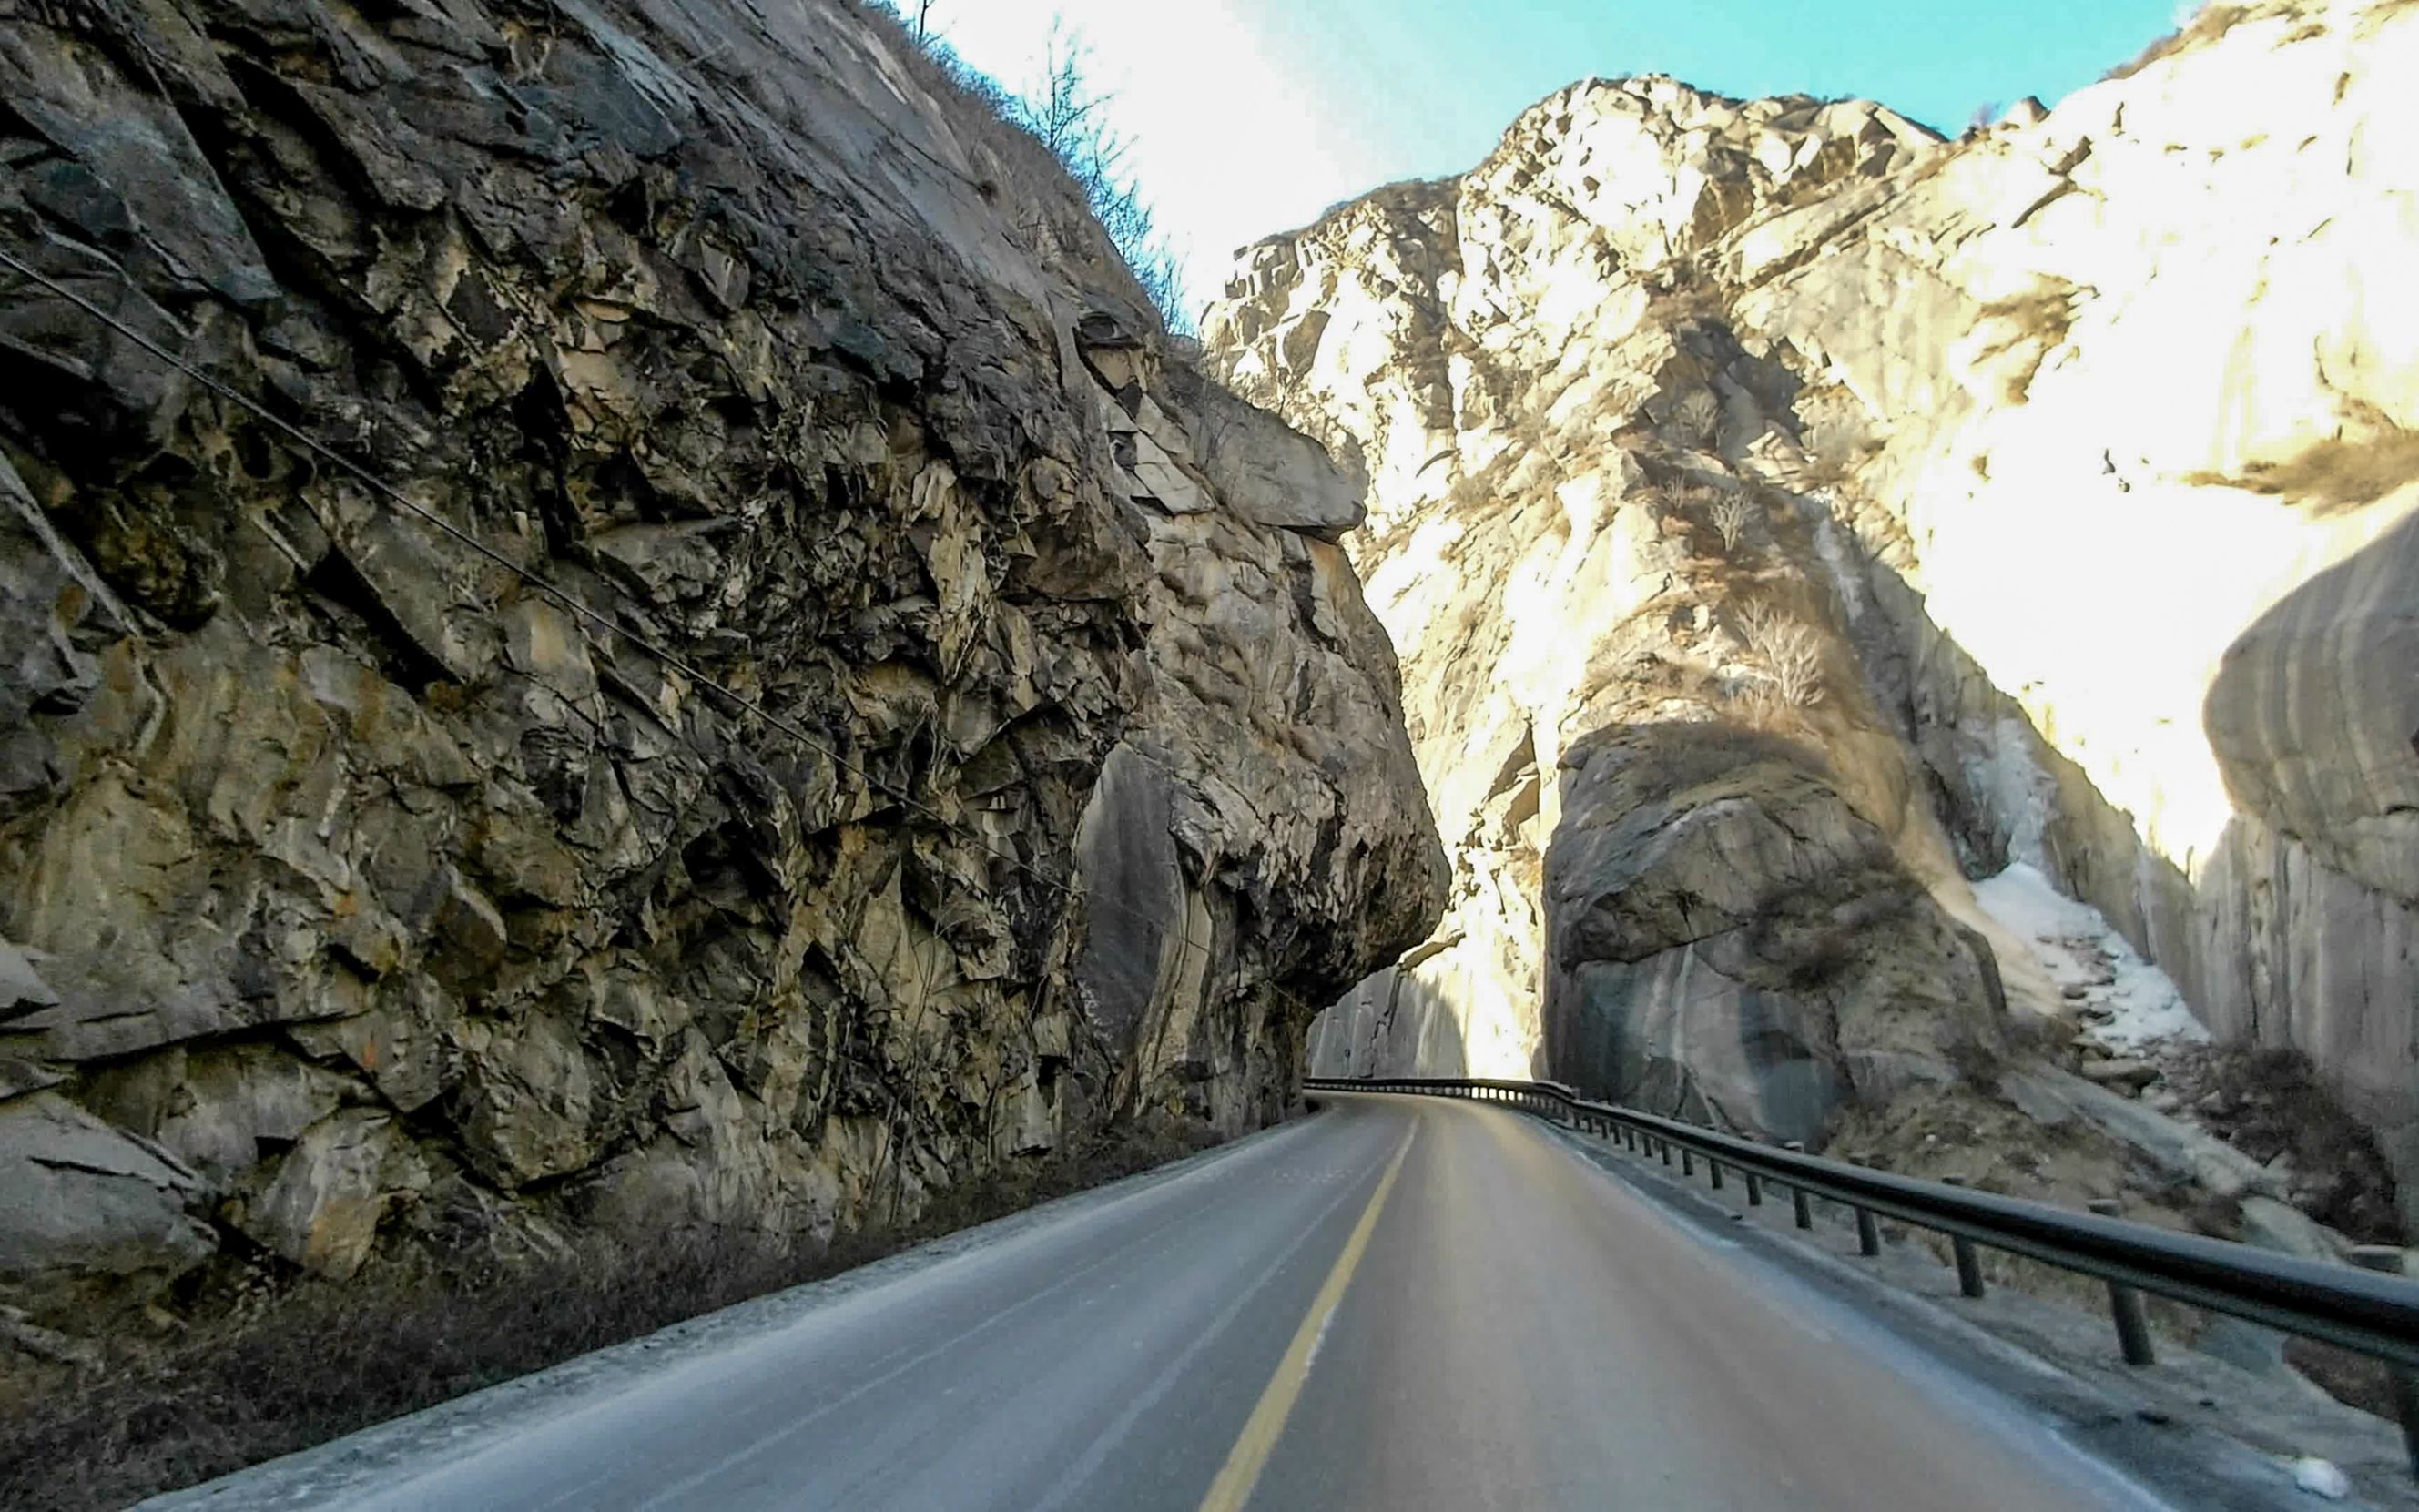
(1757, 705)
(1729, 517)
(1791, 650)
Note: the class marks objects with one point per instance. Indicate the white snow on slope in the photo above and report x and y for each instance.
(2074, 943)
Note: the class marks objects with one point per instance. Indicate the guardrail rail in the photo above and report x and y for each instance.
(2363, 1310)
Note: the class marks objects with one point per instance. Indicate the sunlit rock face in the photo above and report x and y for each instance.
(1666, 883)
(352, 890)
(2083, 447)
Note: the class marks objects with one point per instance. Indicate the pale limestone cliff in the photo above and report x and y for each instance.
(2065, 470)
(354, 891)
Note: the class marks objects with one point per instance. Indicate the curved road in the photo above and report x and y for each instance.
(1401, 1303)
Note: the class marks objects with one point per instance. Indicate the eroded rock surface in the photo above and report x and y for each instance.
(2078, 451)
(350, 884)
(1625, 669)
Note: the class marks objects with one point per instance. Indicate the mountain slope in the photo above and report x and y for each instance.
(2042, 498)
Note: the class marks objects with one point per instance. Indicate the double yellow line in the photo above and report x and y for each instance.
(1250, 1456)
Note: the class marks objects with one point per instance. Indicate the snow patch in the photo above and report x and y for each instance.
(2125, 1002)
(1845, 579)
(2319, 1477)
(2014, 791)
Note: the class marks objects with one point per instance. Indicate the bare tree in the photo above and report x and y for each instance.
(1791, 650)
(1729, 517)
(1064, 109)
(1071, 117)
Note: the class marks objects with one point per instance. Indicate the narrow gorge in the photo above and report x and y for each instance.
(619, 621)
(1830, 562)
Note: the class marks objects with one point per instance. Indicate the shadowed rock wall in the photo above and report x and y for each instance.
(351, 888)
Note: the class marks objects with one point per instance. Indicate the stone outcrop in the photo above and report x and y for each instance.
(2071, 461)
(1690, 860)
(354, 885)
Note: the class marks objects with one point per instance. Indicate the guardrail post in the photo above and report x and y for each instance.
(1801, 1208)
(2125, 1304)
(1716, 1167)
(1969, 1263)
(1666, 1145)
(2132, 1327)
(1754, 1189)
(1869, 1233)
(2388, 1259)
(1687, 1160)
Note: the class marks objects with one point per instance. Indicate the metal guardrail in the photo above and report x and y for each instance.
(2370, 1313)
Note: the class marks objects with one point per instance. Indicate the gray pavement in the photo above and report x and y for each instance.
(1401, 1303)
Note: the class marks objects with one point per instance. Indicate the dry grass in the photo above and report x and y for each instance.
(327, 1360)
(2336, 476)
(1053, 209)
(2213, 22)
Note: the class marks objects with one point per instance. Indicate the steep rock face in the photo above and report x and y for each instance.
(1670, 883)
(2159, 491)
(2080, 448)
(354, 885)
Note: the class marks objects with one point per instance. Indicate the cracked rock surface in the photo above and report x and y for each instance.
(352, 888)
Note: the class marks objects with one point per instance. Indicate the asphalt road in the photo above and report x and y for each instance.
(1401, 1303)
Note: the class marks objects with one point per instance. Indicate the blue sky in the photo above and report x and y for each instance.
(1251, 116)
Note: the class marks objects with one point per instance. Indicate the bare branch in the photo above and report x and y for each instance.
(1729, 517)
(1791, 650)
(1071, 120)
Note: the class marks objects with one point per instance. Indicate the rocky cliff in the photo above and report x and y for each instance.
(674, 645)
(1788, 518)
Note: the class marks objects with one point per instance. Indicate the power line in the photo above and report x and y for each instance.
(662, 654)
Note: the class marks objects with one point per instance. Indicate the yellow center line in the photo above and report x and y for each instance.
(1250, 1456)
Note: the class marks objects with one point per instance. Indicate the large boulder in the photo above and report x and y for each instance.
(1730, 942)
(91, 1209)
